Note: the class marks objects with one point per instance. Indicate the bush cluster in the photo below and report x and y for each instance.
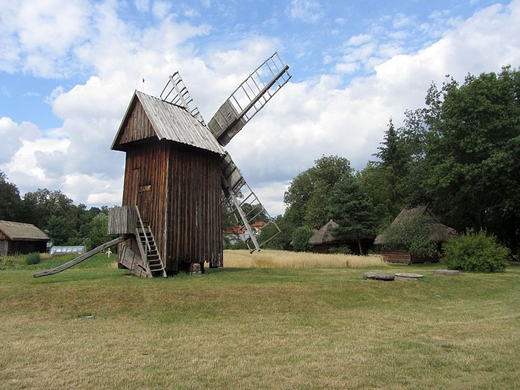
(239, 244)
(475, 252)
(32, 258)
(301, 237)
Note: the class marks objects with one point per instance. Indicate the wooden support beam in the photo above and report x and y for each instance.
(79, 259)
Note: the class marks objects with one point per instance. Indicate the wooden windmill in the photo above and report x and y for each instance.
(176, 172)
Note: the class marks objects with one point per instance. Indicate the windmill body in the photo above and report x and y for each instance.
(177, 172)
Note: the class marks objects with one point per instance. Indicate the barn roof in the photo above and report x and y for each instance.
(324, 235)
(17, 231)
(440, 232)
(170, 122)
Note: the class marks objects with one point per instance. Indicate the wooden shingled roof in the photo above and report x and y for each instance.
(440, 233)
(17, 231)
(163, 120)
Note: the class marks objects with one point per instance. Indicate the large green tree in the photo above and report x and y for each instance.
(351, 209)
(278, 240)
(99, 231)
(307, 196)
(459, 154)
(394, 180)
(55, 213)
(394, 151)
(296, 198)
(10, 202)
(472, 153)
(39, 206)
(384, 180)
(60, 229)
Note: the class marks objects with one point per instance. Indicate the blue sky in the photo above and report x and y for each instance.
(68, 69)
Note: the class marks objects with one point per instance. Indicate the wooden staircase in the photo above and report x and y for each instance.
(149, 253)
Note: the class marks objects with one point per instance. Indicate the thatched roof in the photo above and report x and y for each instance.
(324, 236)
(440, 233)
(17, 231)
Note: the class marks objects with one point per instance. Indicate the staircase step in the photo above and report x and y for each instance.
(151, 254)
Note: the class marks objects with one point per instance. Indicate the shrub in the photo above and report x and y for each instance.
(225, 242)
(239, 245)
(301, 237)
(32, 258)
(475, 252)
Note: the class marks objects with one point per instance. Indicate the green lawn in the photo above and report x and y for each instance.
(282, 328)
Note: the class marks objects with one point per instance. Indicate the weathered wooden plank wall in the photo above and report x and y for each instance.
(138, 126)
(321, 248)
(133, 261)
(4, 246)
(23, 247)
(145, 186)
(177, 190)
(404, 257)
(195, 213)
(122, 220)
(396, 256)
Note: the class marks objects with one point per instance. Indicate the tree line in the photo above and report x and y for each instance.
(460, 155)
(55, 214)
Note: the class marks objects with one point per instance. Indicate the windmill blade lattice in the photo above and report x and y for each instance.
(246, 206)
(175, 92)
(249, 98)
(243, 104)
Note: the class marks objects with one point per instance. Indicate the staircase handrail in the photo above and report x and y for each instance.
(148, 246)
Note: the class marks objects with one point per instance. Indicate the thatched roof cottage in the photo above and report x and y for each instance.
(21, 238)
(323, 240)
(439, 234)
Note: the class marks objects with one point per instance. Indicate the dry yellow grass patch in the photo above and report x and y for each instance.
(286, 259)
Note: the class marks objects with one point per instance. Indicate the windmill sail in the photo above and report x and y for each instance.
(249, 98)
(175, 92)
(246, 206)
(243, 104)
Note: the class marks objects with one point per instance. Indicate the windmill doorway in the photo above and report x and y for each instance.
(143, 196)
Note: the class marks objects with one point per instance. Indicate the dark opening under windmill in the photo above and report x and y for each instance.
(176, 173)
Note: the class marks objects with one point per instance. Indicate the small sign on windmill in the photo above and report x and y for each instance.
(176, 171)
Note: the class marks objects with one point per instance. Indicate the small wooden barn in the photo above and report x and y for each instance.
(21, 238)
(323, 241)
(440, 233)
(173, 176)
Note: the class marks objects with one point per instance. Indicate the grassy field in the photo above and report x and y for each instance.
(250, 326)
